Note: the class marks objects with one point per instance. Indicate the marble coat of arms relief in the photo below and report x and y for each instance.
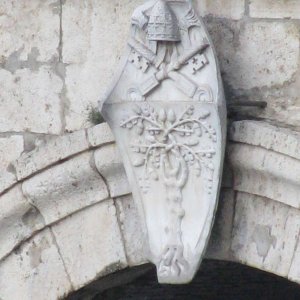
(167, 111)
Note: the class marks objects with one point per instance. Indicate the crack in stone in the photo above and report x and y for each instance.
(62, 259)
(120, 223)
(58, 162)
(48, 226)
(60, 69)
(92, 164)
(247, 8)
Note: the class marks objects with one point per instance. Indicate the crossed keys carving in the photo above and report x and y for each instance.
(143, 57)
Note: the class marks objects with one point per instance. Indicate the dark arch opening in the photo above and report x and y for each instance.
(216, 280)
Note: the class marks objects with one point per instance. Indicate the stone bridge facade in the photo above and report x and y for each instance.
(68, 218)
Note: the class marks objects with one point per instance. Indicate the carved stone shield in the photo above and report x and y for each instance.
(167, 111)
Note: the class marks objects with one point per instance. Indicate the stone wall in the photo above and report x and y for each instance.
(68, 218)
(57, 59)
(257, 43)
(59, 56)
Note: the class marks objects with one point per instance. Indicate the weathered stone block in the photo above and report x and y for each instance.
(132, 230)
(220, 240)
(32, 271)
(99, 135)
(18, 220)
(7, 179)
(265, 173)
(259, 54)
(28, 25)
(265, 233)
(10, 149)
(232, 9)
(283, 107)
(294, 273)
(50, 152)
(90, 243)
(30, 101)
(275, 9)
(270, 137)
(110, 166)
(90, 25)
(66, 188)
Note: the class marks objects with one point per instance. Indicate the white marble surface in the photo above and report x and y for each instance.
(166, 109)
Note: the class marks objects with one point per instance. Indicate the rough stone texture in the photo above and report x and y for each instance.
(90, 25)
(36, 264)
(89, 58)
(265, 233)
(10, 149)
(65, 188)
(282, 111)
(7, 179)
(28, 25)
(220, 239)
(294, 272)
(30, 101)
(90, 243)
(274, 9)
(269, 167)
(270, 137)
(99, 135)
(133, 233)
(259, 61)
(51, 151)
(257, 54)
(18, 220)
(232, 9)
(269, 174)
(109, 164)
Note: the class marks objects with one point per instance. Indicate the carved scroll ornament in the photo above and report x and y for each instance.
(167, 112)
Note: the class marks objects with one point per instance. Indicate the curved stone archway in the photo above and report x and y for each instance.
(67, 216)
(215, 280)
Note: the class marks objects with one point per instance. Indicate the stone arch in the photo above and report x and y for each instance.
(216, 279)
(67, 216)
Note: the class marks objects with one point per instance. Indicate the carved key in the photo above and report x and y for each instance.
(197, 62)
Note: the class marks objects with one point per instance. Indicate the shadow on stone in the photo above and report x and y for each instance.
(216, 280)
